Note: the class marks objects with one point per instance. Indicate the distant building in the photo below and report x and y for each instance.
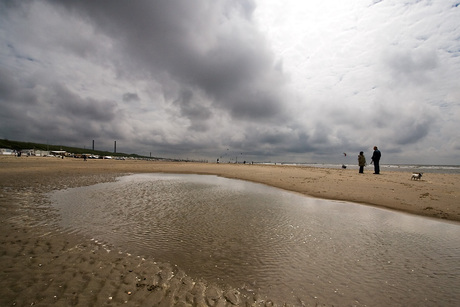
(41, 153)
(7, 152)
(60, 153)
(28, 152)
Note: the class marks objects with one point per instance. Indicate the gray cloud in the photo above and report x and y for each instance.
(66, 102)
(213, 48)
(127, 97)
(412, 65)
(271, 80)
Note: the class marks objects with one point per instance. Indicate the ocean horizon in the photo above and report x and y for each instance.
(419, 168)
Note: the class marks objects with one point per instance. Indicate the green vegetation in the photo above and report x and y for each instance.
(15, 145)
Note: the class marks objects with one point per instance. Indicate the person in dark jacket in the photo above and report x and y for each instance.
(376, 160)
(361, 162)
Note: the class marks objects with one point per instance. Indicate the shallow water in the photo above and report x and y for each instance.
(287, 246)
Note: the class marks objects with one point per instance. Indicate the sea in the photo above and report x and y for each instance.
(410, 168)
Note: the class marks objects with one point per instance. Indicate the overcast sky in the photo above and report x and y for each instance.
(261, 80)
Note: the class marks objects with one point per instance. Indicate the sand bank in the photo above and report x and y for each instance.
(41, 266)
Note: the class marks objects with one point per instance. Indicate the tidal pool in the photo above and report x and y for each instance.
(290, 247)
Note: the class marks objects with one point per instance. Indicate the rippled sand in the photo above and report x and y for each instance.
(41, 266)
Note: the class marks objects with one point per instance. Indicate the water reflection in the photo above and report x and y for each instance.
(293, 248)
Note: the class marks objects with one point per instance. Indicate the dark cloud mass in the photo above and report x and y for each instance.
(127, 97)
(211, 46)
(65, 101)
(291, 80)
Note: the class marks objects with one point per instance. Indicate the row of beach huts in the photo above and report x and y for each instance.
(26, 152)
(46, 153)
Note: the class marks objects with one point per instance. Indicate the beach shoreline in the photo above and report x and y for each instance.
(43, 266)
(435, 195)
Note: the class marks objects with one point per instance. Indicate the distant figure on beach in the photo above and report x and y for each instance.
(376, 160)
(361, 162)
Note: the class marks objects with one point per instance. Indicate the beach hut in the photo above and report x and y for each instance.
(41, 153)
(6, 151)
(59, 153)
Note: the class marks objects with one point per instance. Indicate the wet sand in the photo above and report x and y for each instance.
(41, 266)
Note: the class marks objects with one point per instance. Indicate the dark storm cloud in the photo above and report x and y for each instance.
(412, 132)
(127, 97)
(191, 108)
(56, 98)
(202, 45)
(35, 108)
(8, 86)
(69, 104)
(16, 97)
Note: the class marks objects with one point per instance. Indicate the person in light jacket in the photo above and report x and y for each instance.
(361, 162)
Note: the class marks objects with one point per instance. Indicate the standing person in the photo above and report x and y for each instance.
(376, 160)
(361, 162)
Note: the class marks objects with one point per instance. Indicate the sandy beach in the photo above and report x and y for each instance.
(41, 266)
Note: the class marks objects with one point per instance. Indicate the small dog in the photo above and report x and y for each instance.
(416, 176)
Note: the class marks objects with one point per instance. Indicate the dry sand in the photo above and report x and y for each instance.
(41, 266)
